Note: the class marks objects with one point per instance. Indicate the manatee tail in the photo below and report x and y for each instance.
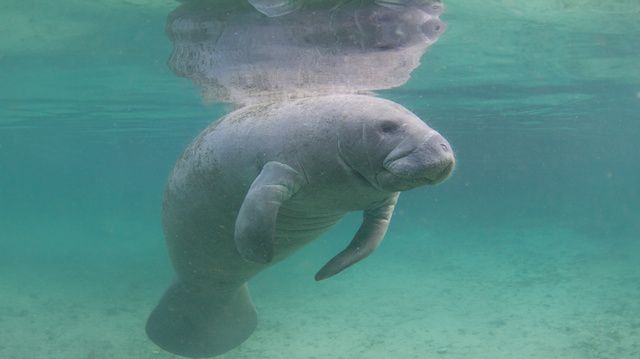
(198, 324)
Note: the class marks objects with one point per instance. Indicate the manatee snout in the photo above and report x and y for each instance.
(430, 161)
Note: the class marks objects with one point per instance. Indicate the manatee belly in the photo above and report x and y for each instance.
(202, 247)
(294, 229)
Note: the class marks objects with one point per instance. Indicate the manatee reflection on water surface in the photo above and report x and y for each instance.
(239, 55)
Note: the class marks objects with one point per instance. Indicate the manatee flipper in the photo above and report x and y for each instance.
(256, 222)
(371, 232)
(198, 324)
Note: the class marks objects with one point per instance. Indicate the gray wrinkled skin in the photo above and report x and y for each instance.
(238, 55)
(265, 180)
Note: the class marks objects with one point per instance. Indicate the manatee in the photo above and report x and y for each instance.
(265, 180)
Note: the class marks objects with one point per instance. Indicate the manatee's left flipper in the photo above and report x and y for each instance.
(372, 230)
(256, 222)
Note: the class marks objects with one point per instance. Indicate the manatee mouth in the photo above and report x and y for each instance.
(406, 179)
(432, 177)
(390, 180)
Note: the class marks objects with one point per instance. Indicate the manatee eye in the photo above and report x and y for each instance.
(388, 126)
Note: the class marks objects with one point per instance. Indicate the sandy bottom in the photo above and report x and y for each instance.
(495, 292)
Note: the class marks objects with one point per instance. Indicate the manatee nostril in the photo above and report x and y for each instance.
(433, 29)
(436, 140)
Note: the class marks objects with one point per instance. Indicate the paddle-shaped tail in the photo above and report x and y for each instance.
(198, 324)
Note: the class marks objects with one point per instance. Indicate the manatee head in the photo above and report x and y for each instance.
(393, 150)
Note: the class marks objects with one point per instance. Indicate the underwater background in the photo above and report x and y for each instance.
(530, 250)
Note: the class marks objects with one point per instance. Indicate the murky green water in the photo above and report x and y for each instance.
(530, 249)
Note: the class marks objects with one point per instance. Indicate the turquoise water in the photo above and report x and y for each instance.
(530, 249)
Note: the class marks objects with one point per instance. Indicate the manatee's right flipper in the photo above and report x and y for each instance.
(198, 324)
(371, 232)
(256, 222)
